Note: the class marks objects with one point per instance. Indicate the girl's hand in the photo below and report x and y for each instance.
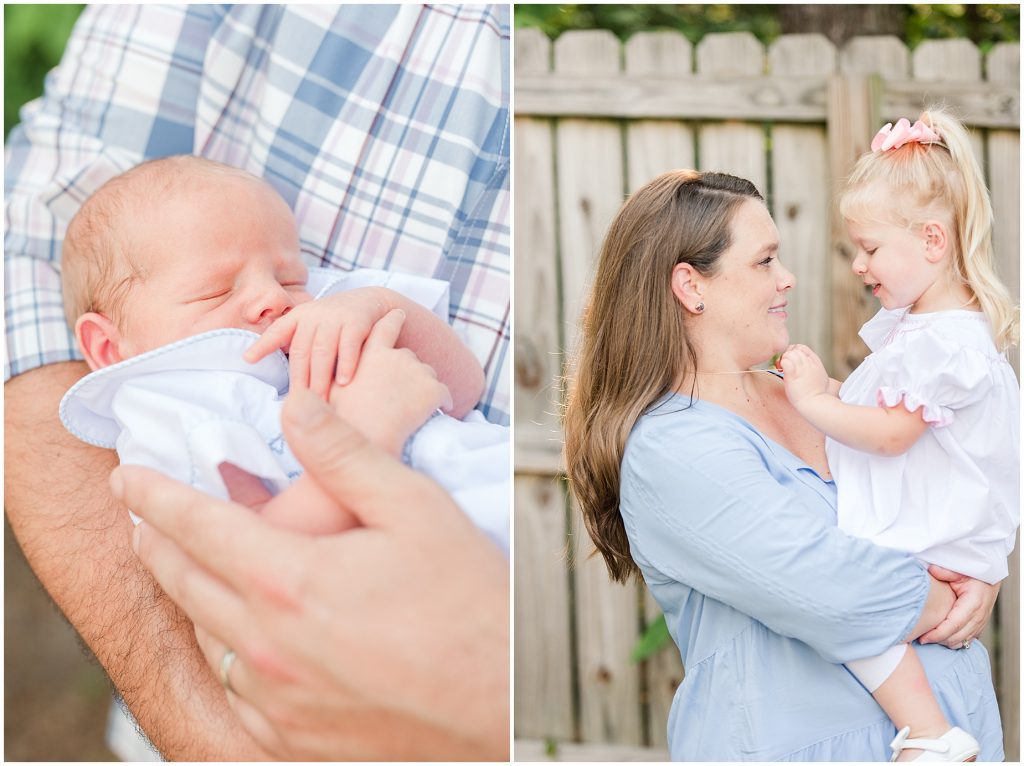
(805, 375)
(970, 613)
(323, 338)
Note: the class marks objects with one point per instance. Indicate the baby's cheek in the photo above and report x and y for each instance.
(301, 297)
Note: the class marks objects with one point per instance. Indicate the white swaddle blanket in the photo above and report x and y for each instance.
(186, 407)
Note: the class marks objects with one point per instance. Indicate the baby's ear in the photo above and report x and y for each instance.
(99, 339)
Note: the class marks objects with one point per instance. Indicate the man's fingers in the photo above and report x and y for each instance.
(230, 542)
(387, 329)
(378, 489)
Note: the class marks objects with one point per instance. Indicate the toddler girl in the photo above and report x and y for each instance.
(923, 438)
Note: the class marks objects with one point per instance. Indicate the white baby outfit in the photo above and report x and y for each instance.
(953, 498)
(188, 406)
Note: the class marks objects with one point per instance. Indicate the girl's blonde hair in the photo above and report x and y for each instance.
(940, 181)
(632, 347)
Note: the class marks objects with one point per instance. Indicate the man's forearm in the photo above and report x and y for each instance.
(78, 541)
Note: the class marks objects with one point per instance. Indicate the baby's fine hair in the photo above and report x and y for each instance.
(940, 181)
(99, 262)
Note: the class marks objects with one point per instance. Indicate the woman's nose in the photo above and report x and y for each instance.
(787, 279)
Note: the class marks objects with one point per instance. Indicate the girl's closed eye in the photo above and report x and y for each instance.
(766, 261)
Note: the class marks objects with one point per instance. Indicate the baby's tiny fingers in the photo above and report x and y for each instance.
(350, 348)
(274, 337)
(322, 360)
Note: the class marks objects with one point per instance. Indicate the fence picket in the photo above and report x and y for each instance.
(732, 147)
(590, 192)
(1003, 65)
(543, 697)
(800, 196)
(948, 61)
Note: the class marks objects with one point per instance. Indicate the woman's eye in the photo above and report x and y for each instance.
(767, 260)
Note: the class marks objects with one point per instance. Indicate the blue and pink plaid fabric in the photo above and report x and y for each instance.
(386, 128)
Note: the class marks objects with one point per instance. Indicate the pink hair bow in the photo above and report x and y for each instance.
(894, 136)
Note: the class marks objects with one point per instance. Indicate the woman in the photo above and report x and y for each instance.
(697, 474)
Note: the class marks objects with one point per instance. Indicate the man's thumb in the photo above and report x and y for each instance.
(354, 472)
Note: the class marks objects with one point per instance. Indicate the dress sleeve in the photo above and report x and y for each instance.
(124, 91)
(707, 511)
(925, 369)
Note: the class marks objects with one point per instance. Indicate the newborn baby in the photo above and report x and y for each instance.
(185, 287)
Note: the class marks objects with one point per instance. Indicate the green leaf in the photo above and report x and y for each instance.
(653, 640)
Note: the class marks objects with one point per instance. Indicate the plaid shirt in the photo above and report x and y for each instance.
(385, 128)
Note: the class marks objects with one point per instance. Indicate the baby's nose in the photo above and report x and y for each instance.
(272, 304)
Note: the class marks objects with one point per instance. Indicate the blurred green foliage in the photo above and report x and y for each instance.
(984, 24)
(34, 40)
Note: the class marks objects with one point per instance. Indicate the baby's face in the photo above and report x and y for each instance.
(226, 255)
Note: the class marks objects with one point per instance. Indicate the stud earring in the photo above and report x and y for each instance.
(699, 307)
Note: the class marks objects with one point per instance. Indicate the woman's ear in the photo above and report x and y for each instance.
(688, 287)
(936, 241)
(99, 340)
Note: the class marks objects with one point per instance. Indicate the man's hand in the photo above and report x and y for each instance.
(323, 338)
(77, 539)
(393, 392)
(387, 642)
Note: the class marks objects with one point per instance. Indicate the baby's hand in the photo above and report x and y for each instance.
(323, 338)
(805, 375)
(393, 392)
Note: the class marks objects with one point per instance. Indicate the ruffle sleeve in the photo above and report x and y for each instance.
(926, 371)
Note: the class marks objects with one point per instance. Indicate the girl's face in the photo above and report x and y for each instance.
(892, 262)
(746, 300)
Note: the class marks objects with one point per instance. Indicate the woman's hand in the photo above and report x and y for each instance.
(387, 642)
(970, 613)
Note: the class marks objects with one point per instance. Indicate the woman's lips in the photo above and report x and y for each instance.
(779, 311)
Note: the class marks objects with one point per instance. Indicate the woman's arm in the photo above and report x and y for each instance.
(702, 507)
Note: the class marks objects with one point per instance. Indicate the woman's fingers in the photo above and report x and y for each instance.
(233, 544)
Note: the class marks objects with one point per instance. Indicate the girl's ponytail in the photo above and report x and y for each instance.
(972, 223)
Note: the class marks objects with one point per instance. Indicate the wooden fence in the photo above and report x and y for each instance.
(595, 119)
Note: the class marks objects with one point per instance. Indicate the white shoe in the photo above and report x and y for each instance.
(953, 746)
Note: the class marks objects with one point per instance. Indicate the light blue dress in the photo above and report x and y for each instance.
(766, 598)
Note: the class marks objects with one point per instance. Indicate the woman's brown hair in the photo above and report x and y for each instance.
(632, 347)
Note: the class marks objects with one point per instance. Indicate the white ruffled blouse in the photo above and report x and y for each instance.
(953, 498)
